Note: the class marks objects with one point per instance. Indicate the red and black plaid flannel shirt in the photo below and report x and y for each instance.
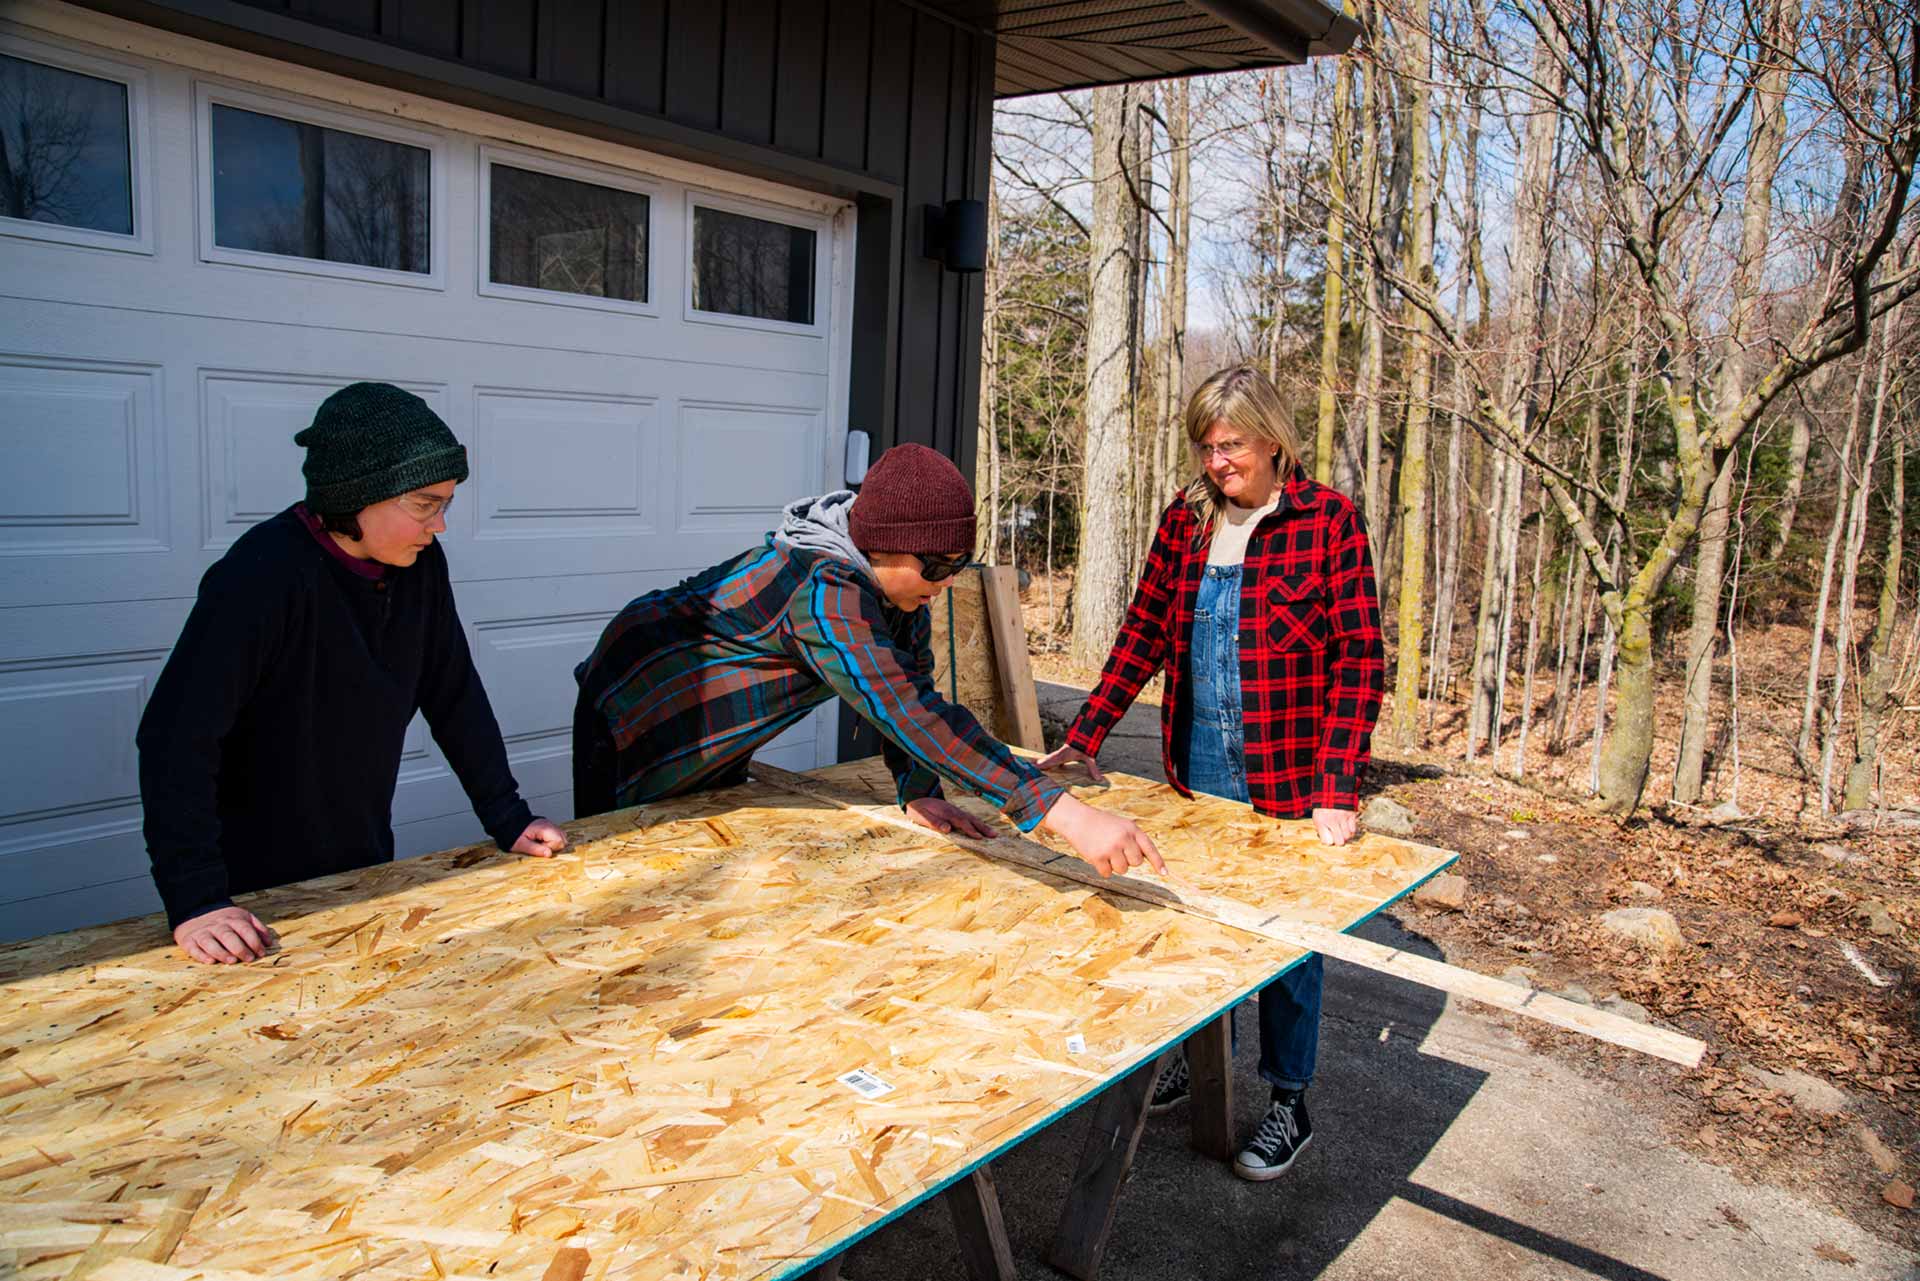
(1311, 662)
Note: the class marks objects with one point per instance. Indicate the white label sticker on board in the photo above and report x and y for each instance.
(865, 1084)
(1076, 1044)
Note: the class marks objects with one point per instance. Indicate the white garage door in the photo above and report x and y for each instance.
(643, 359)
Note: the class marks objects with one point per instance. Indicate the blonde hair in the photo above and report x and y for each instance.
(1248, 402)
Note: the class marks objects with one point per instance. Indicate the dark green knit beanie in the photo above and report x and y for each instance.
(372, 441)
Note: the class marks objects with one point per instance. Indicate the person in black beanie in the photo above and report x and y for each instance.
(270, 748)
(686, 683)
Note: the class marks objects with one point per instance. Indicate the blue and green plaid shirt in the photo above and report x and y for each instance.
(693, 678)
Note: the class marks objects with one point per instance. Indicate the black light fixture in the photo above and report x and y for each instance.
(956, 234)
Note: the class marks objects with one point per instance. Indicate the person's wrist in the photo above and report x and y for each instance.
(1060, 814)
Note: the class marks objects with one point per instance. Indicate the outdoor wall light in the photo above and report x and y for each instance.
(956, 234)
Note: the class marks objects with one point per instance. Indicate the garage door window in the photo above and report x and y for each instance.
(318, 197)
(753, 267)
(67, 162)
(559, 234)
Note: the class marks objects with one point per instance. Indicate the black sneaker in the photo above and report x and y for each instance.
(1173, 1088)
(1283, 1132)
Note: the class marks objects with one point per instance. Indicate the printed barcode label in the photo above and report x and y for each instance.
(1076, 1044)
(865, 1084)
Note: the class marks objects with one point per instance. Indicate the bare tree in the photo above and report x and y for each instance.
(1101, 580)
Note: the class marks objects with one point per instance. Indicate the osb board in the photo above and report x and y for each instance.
(620, 1063)
(965, 662)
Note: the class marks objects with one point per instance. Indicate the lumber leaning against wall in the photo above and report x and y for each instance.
(980, 654)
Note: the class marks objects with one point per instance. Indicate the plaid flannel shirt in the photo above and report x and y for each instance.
(694, 678)
(1311, 663)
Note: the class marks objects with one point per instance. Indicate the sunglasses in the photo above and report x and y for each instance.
(938, 568)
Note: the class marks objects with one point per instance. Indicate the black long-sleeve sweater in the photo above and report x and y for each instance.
(270, 748)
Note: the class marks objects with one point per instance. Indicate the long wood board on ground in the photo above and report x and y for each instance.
(721, 1036)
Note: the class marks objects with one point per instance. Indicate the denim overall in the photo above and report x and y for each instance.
(1217, 765)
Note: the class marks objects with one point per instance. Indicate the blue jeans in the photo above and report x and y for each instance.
(1217, 765)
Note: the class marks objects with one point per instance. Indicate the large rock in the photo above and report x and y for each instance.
(1626, 1009)
(1388, 817)
(1809, 1093)
(1444, 893)
(1650, 927)
(1875, 917)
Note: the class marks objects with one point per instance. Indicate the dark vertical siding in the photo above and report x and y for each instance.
(889, 89)
(845, 94)
(746, 103)
(800, 76)
(922, 317)
(571, 47)
(498, 35)
(634, 76)
(972, 326)
(431, 26)
(696, 35)
(351, 14)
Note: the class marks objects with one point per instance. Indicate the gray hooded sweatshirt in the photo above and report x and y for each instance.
(820, 525)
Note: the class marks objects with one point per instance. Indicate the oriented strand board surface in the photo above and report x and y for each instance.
(969, 621)
(962, 644)
(620, 1063)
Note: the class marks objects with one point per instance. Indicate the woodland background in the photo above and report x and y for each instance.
(1602, 316)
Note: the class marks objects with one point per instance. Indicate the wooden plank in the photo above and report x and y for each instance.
(1210, 1065)
(979, 1228)
(1285, 926)
(1094, 1194)
(644, 1049)
(1000, 584)
(1561, 1013)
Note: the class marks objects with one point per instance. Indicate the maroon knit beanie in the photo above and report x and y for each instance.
(913, 500)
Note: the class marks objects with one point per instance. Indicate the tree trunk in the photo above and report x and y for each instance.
(1797, 448)
(1483, 669)
(1413, 445)
(1330, 302)
(1843, 476)
(987, 504)
(1849, 575)
(1101, 583)
(1622, 486)
(1516, 393)
(1629, 744)
(1766, 135)
(1533, 642)
(1180, 218)
(1372, 342)
(1708, 573)
(1877, 687)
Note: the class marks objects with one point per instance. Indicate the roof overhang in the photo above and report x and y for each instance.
(1050, 45)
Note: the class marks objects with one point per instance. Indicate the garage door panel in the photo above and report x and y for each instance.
(527, 666)
(49, 914)
(80, 722)
(70, 794)
(251, 467)
(85, 457)
(549, 465)
(739, 463)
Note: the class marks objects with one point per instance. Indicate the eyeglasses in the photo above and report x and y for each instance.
(423, 508)
(1229, 450)
(939, 568)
